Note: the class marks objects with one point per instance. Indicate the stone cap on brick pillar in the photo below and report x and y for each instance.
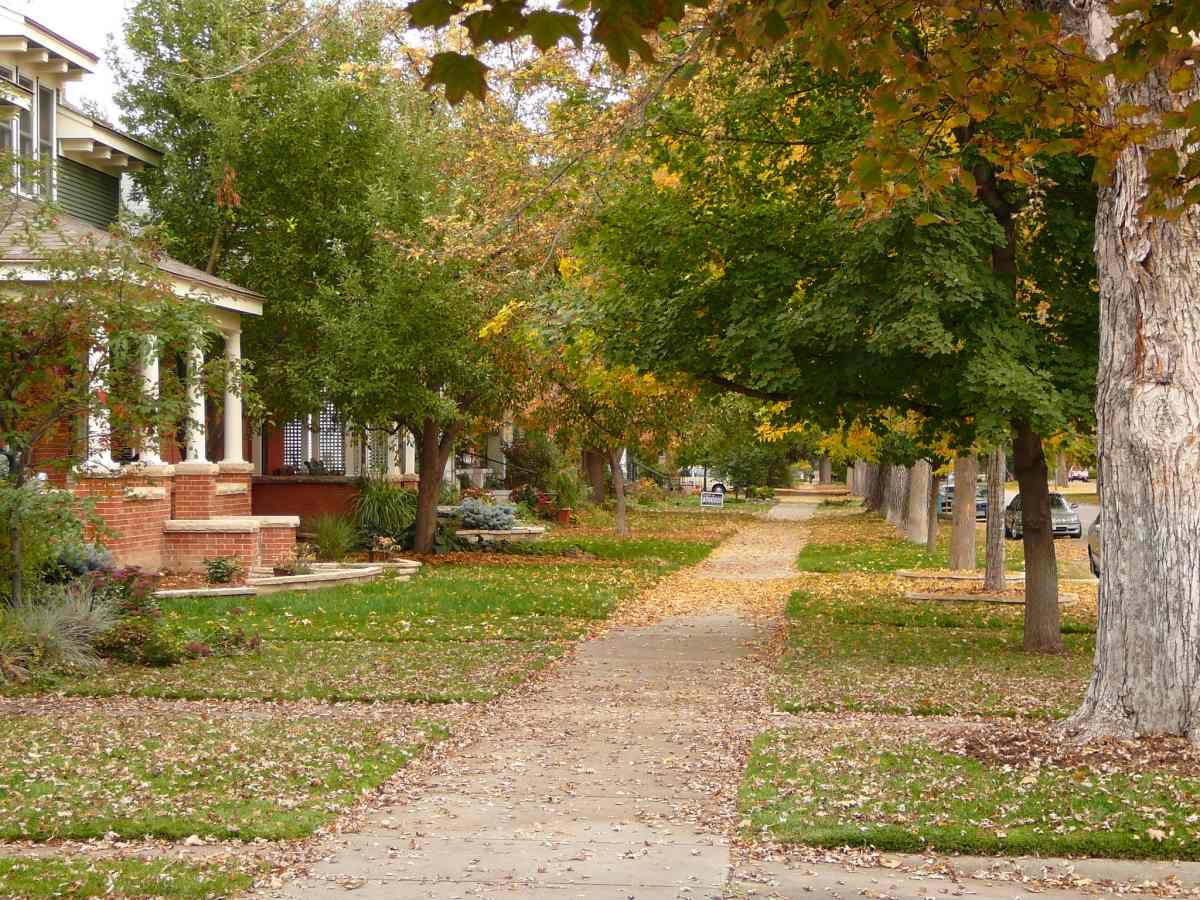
(196, 468)
(227, 525)
(278, 521)
(235, 468)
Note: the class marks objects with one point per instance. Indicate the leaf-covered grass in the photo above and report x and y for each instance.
(864, 542)
(78, 877)
(463, 631)
(414, 672)
(235, 774)
(883, 654)
(834, 785)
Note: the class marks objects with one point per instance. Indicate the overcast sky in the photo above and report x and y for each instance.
(87, 23)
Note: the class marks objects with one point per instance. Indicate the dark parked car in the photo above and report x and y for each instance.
(1062, 514)
(1094, 547)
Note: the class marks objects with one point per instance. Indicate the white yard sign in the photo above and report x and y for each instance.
(712, 499)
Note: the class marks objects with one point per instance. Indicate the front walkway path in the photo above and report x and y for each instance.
(617, 777)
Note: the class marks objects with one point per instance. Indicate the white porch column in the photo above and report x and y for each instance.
(409, 445)
(150, 445)
(256, 448)
(314, 438)
(195, 438)
(99, 423)
(353, 452)
(233, 400)
(394, 445)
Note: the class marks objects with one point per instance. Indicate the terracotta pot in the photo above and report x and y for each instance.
(564, 515)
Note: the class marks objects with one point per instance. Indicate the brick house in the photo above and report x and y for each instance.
(170, 505)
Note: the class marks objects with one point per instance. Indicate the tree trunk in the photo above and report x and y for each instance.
(931, 536)
(962, 529)
(875, 498)
(593, 467)
(993, 570)
(826, 470)
(1146, 678)
(1060, 469)
(618, 479)
(899, 511)
(917, 528)
(16, 548)
(1043, 624)
(436, 445)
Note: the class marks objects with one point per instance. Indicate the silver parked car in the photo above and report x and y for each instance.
(1063, 516)
(1094, 547)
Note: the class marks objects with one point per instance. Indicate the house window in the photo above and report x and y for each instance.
(25, 147)
(377, 452)
(45, 116)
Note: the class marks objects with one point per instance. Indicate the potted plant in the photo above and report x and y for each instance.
(297, 564)
(382, 549)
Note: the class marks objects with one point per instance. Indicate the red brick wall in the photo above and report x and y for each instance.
(136, 524)
(195, 496)
(305, 497)
(187, 550)
(276, 544)
(232, 504)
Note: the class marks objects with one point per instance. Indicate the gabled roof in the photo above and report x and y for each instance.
(45, 48)
(15, 253)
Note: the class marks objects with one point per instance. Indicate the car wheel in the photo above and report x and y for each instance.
(718, 488)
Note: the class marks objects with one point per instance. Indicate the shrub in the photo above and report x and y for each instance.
(568, 489)
(449, 495)
(60, 630)
(647, 490)
(140, 640)
(76, 560)
(445, 538)
(531, 459)
(383, 509)
(333, 537)
(128, 590)
(222, 569)
(486, 516)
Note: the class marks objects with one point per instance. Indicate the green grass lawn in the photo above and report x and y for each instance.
(77, 877)
(886, 655)
(863, 542)
(847, 785)
(232, 773)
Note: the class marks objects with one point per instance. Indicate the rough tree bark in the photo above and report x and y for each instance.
(1146, 678)
(1043, 622)
(436, 444)
(931, 535)
(870, 473)
(962, 527)
(875, 498)
(852, 478)
(826, 470)
(917, 527)
(593, 468)
(993, 570)
(898, 498)
(1060, 469)
(621, 523)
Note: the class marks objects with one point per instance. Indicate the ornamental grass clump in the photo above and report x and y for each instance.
(383, 509)
(333, 537)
